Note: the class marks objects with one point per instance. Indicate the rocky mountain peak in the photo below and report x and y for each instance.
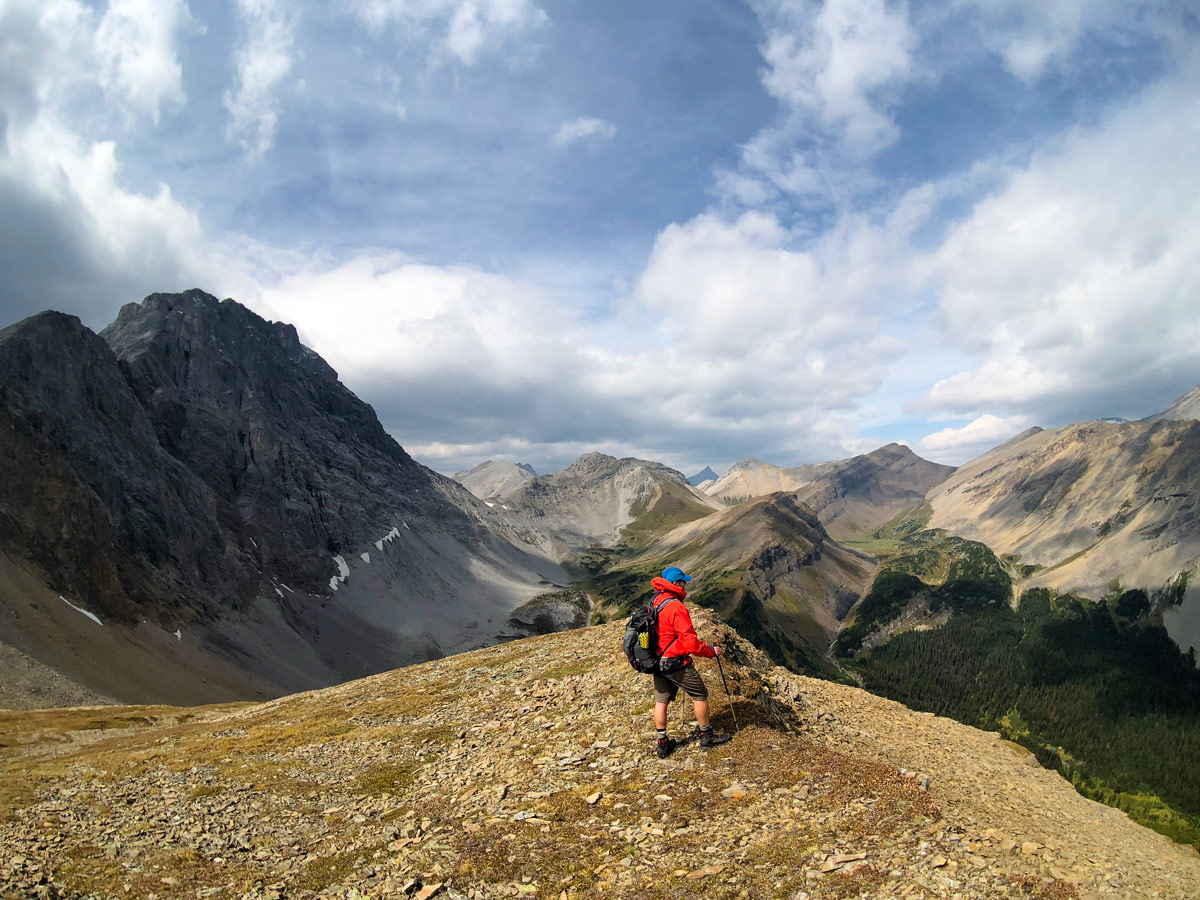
(746, 462)
(197, 467)
(590, 465)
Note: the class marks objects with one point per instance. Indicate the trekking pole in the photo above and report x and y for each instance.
(728, 699)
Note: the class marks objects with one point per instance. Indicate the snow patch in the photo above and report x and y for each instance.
(255, 545)
(279, 592)
(91, 616)
(387, 538)
(489, 505)
(366, 557)
(179, 634)
(342, 575)
(286, 588)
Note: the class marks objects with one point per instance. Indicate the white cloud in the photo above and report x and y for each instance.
(460, 30)
(1033, 36)
(136, 47)
(84, 238)
(584, 127)
(957, 445)
(1078, 279)
(841, 66)
(263, 61)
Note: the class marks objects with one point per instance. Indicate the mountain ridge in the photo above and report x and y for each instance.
(397, 784)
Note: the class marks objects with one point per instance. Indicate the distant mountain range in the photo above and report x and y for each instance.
(202, 484)
(852, 496)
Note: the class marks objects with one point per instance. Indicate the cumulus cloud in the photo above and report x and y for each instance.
(837, 69)
(1076, 283)
(82, 242)
(1033, 38)
(955, 446)
(582, 128)
(136, 45)
(460, 30)
(263, 61)
(835, 64)
(79, 240)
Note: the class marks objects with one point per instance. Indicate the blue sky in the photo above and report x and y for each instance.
(687, 231)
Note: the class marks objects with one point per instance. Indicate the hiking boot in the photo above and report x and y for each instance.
(710, 739)
(664, 747)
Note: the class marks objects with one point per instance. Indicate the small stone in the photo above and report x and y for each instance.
(593, 798)
(705, 872)
(735, 790)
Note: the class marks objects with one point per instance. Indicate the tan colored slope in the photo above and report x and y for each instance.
(865, 492)
(753, 478)
(495, 479)
(1186, 407)
(851, 496)
(786, 557)
(1090, 503)
(525, 770)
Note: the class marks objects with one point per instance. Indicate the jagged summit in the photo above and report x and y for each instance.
(526, 769)
(705, 474)
(195, 472)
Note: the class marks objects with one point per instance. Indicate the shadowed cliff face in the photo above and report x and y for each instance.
(265, 424)
(89, 495)
(196, 466)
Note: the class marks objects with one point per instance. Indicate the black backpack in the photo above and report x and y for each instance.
(641, 636)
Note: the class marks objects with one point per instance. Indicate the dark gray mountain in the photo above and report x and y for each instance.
(705, 474)
(196, 468)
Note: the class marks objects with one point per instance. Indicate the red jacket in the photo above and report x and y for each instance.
(676, 634)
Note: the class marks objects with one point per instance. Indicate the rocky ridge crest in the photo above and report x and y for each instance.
(526, 770)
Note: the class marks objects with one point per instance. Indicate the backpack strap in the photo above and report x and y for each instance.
(655, 609)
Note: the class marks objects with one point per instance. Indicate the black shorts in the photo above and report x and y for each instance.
(667, 684)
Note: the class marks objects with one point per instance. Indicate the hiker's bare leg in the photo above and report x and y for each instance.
(700, 707)
(660, 716)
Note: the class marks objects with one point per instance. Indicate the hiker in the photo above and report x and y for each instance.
(677, 643)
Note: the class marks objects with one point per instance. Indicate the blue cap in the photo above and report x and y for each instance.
(674, 573)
